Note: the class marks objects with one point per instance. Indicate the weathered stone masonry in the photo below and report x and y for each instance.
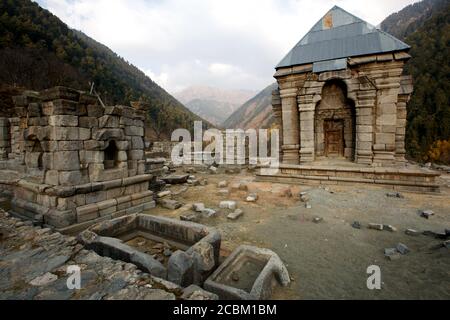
(81, 162)
(342, 93)
(341, 108)
(376, 94)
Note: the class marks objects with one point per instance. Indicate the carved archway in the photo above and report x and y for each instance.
(335, 122)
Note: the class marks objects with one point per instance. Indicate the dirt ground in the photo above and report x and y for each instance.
(329, 260)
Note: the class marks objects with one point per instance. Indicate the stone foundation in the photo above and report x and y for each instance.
(394, 178)
(199, 246)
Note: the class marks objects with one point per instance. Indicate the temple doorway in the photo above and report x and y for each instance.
(334, 124)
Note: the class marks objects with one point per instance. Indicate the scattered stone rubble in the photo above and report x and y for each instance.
(34, 264)
(426, 214)
(252, 197)
(228, 205)
(235, 215)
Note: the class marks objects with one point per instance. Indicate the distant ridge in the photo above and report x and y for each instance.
(38, 51)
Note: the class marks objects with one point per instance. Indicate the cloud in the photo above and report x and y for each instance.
(225, 43)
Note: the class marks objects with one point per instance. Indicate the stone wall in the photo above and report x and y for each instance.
(379, 92)
(5, 140)
(82, 162)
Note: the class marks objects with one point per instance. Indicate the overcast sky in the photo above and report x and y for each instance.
(232, 44)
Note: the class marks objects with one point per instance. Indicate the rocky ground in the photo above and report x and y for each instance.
(312, 229)
(34, 264)
(326, 256)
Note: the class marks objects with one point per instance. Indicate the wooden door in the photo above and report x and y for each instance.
(334, 138)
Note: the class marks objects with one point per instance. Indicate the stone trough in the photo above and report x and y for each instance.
(196, 246)
(249, 273)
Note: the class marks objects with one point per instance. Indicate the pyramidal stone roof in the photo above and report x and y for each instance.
(338, 35)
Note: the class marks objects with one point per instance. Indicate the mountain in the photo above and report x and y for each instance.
(213, 104)
(215, 112)
(401, 24)
(428, 125)
(38, 51)
(255, 113)
(425, 26)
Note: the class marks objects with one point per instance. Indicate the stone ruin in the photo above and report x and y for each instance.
(72, 164)
(197, 246)
(77, 161)
(340, 107)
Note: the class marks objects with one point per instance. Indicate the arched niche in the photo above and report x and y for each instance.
(335, 122)
(111, 157)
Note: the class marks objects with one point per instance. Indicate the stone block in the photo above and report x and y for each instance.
(134, 131)
(364, 129)
(70, 145)
(137, 143)
(87, 213)
(228, 205)
(402, 248)
(194, 292)
(387, 119)
(60, 92)
(111, 174)
(108, 134)
(235, 215)
(95, 171)
(95, 197)
(385, 138)
(68, 178)
(108, 121)
(122, 156)
(180, 269)
(47, 161)
(64, 133)
(94, 145)
(266, 267)
(364, 120)
(376, 226)
(88, 122)
(66, 160)
(63, 121)
(123, 145)
(364, 137)
(60, 107)
(389, 129)
(136, 154)
(84, 134)
(95, 111)
(107, 212)
(52, 177)
(92, 156)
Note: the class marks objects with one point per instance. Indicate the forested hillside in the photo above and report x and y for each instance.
(37, 51)
(401, 24)
(425, 26)
(255, 113)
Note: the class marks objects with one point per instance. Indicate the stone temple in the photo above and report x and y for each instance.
(73, 162)
(341, 102)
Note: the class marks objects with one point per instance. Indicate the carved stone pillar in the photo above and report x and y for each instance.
(386, 123)
(290, 126)
(277, 115)
(365, 106)
(306, 109)
(406, 89)
(400, 150)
